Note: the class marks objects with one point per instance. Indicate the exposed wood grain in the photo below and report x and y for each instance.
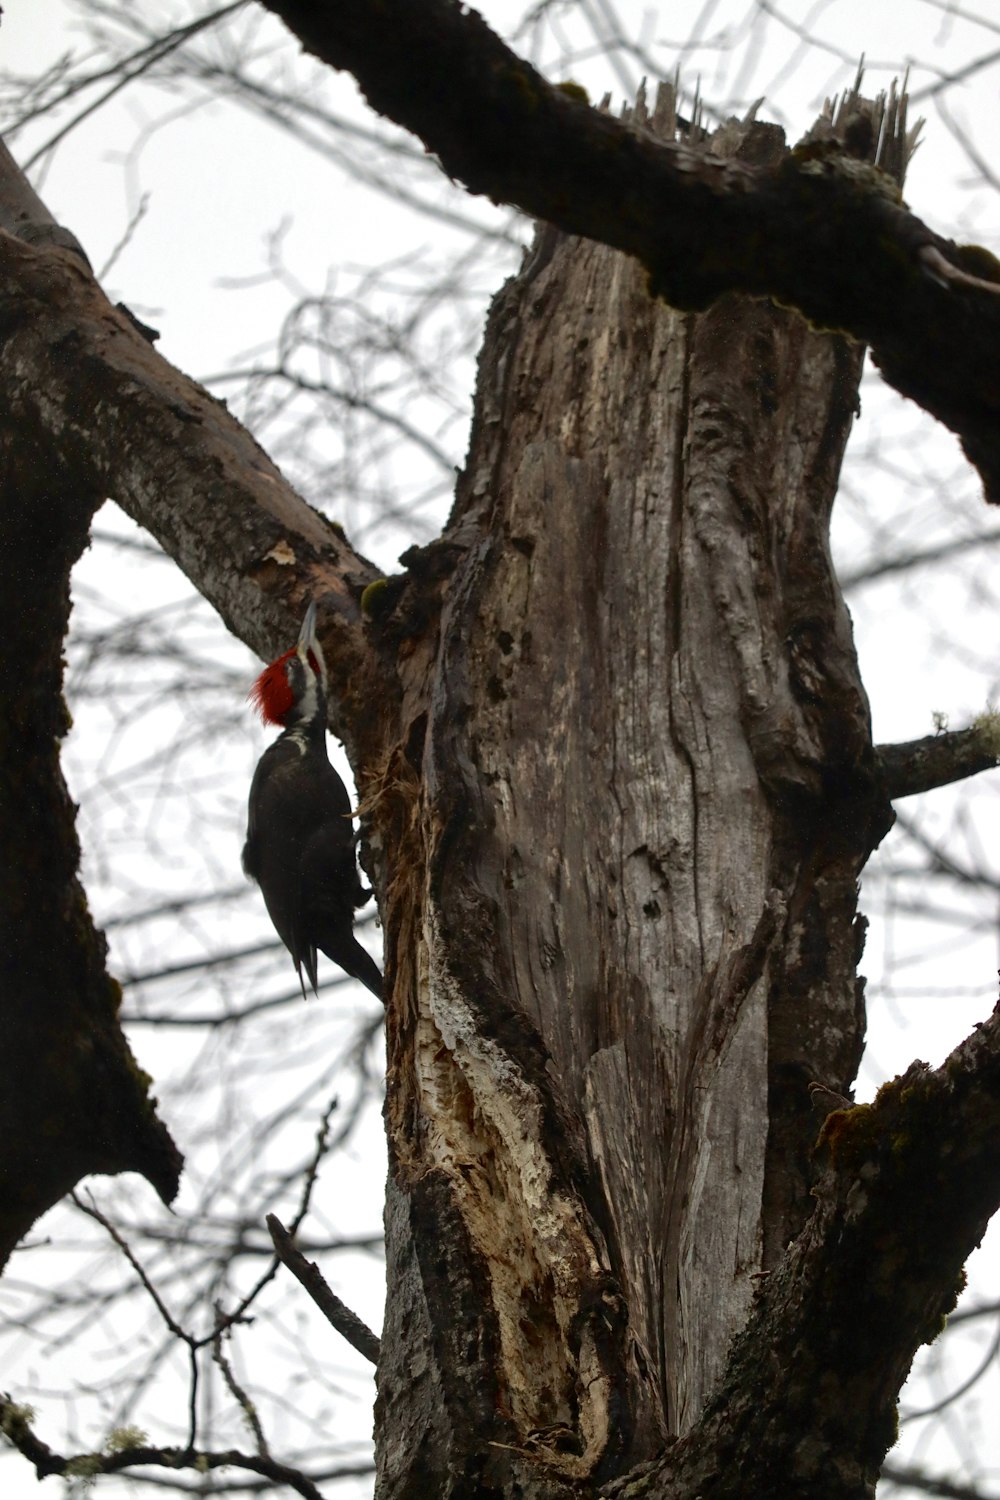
(648, 789)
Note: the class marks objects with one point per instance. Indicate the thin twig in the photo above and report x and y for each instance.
(125, 73)
(337, 1314)
(322, 1136)
(236, 1390)
(193, 1345)
(93, 1212)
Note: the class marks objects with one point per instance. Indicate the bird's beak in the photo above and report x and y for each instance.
(308, 646)
(307, 635)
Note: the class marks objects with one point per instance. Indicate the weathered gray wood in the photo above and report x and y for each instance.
(649, 790)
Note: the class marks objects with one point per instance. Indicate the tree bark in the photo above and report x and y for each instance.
(626, 936)
(73, 1100)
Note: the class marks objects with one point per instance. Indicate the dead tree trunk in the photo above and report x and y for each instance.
(634, 793)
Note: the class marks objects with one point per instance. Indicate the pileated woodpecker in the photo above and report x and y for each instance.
(300, 838)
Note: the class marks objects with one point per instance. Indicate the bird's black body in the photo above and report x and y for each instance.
(300, 845)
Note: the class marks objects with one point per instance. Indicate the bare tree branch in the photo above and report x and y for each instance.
(821, 232)
(16, 1426)
(917, 1479)
(939, 759)
(336, 1312)
(917, 557)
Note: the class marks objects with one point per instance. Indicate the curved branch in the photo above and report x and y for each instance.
(822, 231)
(72, 1100)
(89, 409)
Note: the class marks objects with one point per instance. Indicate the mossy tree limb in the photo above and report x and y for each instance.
(72, 1100)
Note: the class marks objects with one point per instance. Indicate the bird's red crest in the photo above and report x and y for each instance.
(271, 695)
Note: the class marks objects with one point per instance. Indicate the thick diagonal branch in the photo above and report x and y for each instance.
(821, 232)
(94, 390)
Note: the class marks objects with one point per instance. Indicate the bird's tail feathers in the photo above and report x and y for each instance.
(307, 961)
(354, 960)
